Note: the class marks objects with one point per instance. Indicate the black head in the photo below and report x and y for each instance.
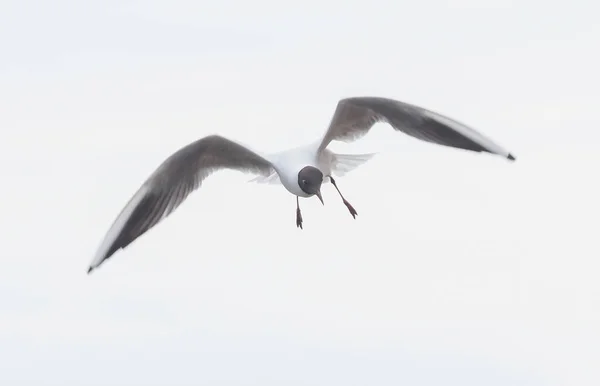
(310, 180)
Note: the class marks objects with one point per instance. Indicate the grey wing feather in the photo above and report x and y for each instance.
(171, 183)
(354, 117)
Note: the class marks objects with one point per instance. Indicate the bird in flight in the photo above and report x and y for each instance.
(301, 170)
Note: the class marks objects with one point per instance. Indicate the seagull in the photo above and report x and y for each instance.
(301, 170)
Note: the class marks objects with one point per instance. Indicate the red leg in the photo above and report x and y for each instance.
(350, 207)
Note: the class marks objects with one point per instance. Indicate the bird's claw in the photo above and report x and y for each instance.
(298, 219)
(351, 209)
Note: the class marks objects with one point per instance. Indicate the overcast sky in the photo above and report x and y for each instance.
(460, 269)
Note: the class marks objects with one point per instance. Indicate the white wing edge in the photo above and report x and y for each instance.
(117, 226)
(468, 132)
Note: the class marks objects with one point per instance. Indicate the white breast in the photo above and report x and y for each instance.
(289, 163)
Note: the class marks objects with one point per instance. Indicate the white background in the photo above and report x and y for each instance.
(460, 269)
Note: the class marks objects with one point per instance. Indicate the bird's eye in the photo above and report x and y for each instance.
(304, 182)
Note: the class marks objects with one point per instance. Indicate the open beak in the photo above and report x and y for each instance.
(320, 197)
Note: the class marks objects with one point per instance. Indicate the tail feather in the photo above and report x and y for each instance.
(340, 165)
(272, 178)
(344, 163)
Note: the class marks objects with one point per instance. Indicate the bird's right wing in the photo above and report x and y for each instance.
(171, 183)
(355, 116)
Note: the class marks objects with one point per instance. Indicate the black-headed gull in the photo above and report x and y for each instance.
(301, 170)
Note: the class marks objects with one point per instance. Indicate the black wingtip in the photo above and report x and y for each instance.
(511, 157)
(90, 269)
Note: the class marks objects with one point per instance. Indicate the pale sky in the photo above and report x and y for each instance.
(460, 269)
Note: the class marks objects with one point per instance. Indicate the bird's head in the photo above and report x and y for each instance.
(310, 180)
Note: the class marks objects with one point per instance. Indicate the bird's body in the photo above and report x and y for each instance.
(287, 164)
(301, 170)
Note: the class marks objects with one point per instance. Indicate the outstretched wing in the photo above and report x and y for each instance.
(170, 184)
(354, 117)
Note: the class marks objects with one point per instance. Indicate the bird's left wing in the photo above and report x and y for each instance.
(354, 117)
(171, 183)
